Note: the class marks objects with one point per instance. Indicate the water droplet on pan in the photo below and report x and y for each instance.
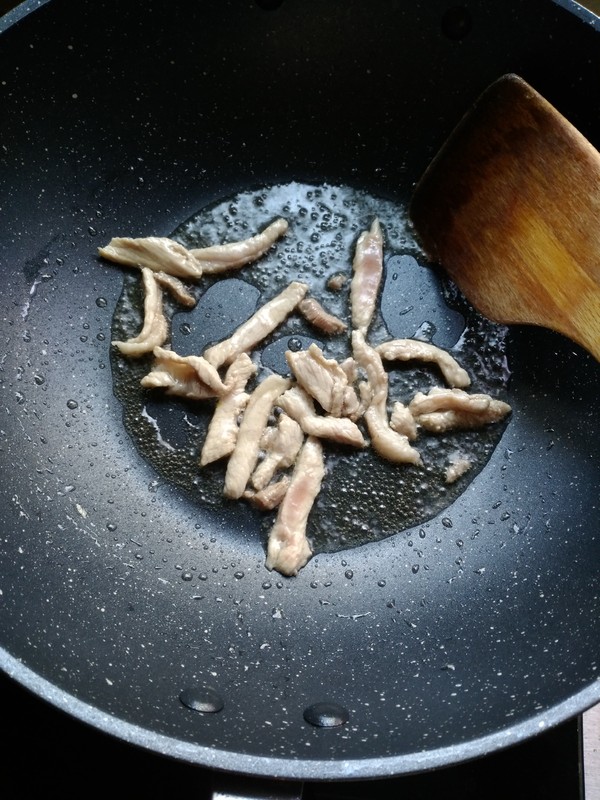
(326, 715)
(203, 699)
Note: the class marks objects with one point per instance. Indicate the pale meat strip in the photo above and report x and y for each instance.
(223, 427)
(176, 288)
(280, 451)
(158, 253)
(457, 467)
(367, 268)
(313, 311)
(414, 350)
(390, 444)
(300, 406)
(288, 549)
(245, 453)
(258, 327)
(324, 379)
(190, 377)
(155, 328)
(443, 410)
(402, 421)
(270, 497)
(233, 255)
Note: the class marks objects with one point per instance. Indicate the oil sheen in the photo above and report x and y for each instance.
(363, 497)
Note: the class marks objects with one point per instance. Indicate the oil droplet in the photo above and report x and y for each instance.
(72, 404)
(186, 576)
(349, 574)
(101, 302)
(295, 344)
(204, 700)
(111, 526)
(39, 379)
(238, 575)
(414, 569)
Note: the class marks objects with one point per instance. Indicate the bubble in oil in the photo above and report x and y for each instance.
(363, 498)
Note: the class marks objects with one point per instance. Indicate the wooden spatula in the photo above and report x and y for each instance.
(510, 207)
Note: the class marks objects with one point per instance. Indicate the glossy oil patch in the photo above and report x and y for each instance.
(363, 497)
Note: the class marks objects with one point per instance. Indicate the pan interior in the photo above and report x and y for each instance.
(364, 498)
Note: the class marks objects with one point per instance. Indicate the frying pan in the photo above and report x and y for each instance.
(125, 600)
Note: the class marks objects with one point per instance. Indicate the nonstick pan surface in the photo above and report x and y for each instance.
(121, 594)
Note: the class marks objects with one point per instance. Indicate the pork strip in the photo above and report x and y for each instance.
(223, 427)
(324, 379)
(300, 406)
(158, 253)
(155, 328)
(258, 327)
(288, 549)
(443, 410)
(223, 257)
(402, 421)
(313, 311)
(270, 497)
(280, 452)
(367, 268)
(414, 350)
(245, 453)
(390, 444)
(177, 289)
(190, 377)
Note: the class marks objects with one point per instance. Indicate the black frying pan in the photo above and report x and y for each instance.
(121, 594)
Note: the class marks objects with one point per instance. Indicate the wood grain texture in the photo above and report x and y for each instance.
(510, 207)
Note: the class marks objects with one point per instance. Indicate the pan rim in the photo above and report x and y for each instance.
(298, 769)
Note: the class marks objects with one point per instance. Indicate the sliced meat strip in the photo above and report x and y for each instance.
(367, 268)
(223, 257)
(288, 549)
(313, 311)
(191, 377)
(324, 379)
(443, 410)
(390, 444)
(280, 451)
(245, 453)
(337, 282)
(402, 421)
(223, 427)
(176, 288)
(270, 497)
(414, 350)
(259, 326)
(159, 254)
(155, 328)
(457, 467)
(300, 406)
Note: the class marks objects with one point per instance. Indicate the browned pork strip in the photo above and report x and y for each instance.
(414, 350)
(223, 427)
(337, 282)
(324, 379)
(299, 405)
(223, 257)
(176, 287)
(270, 497)
(443, 410)
(259, 326)
(314, 312)
(367, 268)
(155, 252)
(388, 443)
(280, 449)
(155, 328)
(191, 377)
(288, 549)
(245, 453)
